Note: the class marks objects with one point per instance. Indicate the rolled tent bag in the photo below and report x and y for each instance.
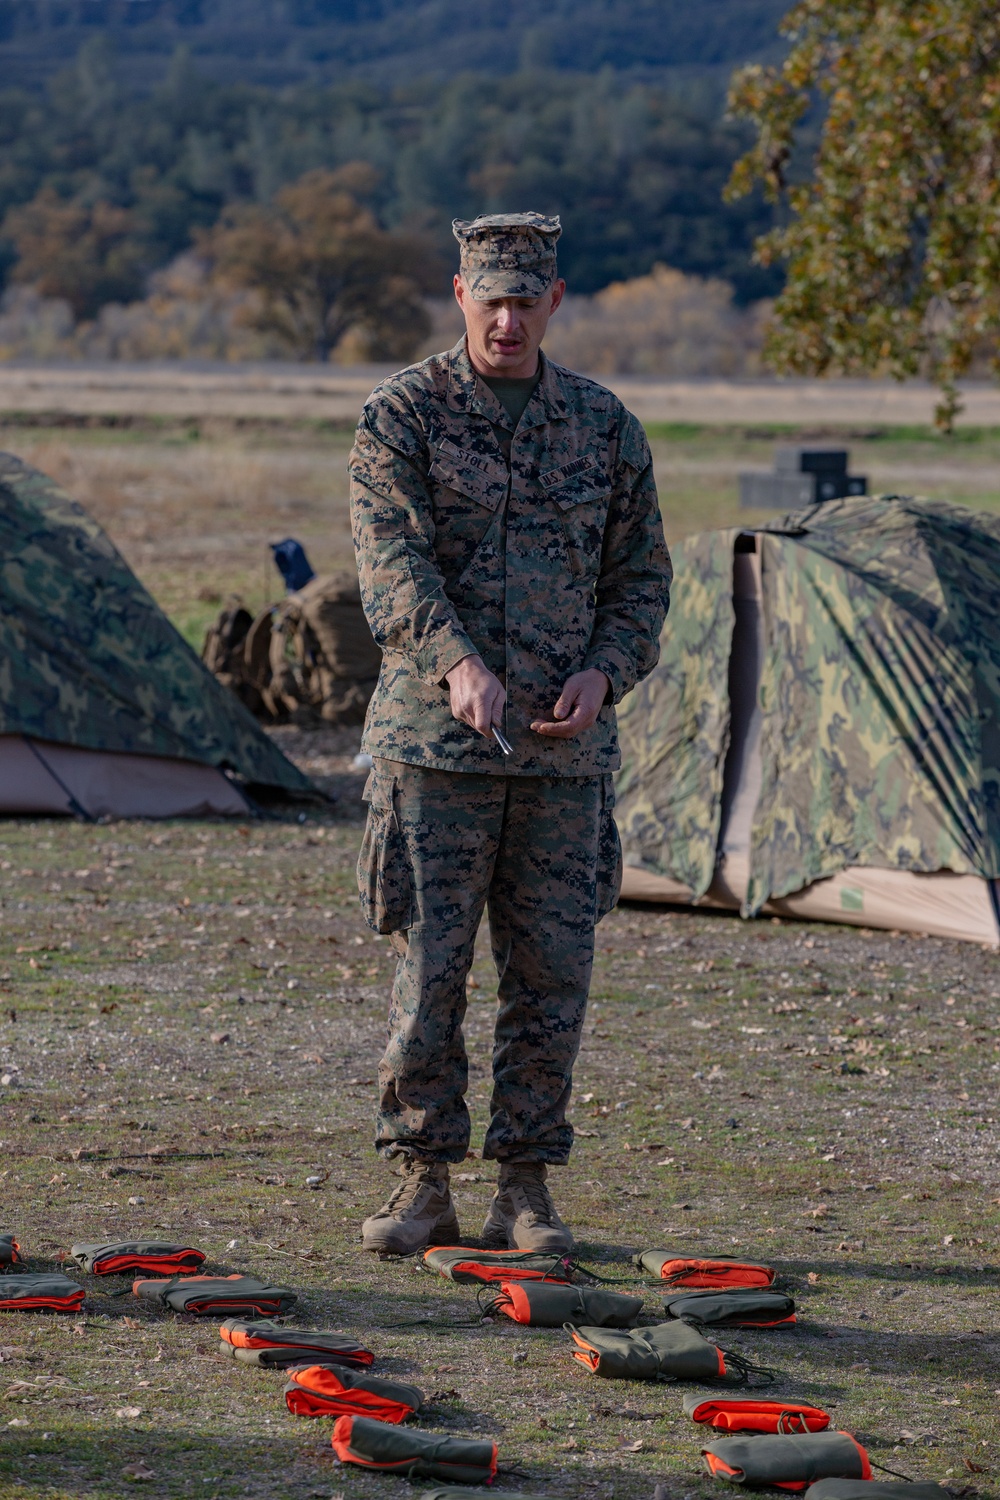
(159, 1257)
(417, 1455)
(10, 1251)
(788, 1462)
(319, 1391)
(46, 1292)
(545, 1304)
(741, 1414)
(212, 1294)
(871, 1489)
(739, 1307)
(667, 1351)
(714, 1272)
(447, 1493)
(458, 1263)
(275, 1348)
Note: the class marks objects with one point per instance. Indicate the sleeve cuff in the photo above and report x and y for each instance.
(617, 669)
(434, 662)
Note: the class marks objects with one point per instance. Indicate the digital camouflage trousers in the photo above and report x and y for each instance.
(542, 854)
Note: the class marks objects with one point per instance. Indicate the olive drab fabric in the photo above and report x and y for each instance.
(468, 1264)
(264, 1343)
(41, 1292)
(736, 1307)
(417, 1455)
(542, 852)
(213, 1294)
(871, 1489)
(879, 696)
(449, 1493)
(790, 1461)
(508, 255)
(89, 658)
(157, 1256)
(667, 1351)
(543, 1304)
(10, 1251)
(541, 550)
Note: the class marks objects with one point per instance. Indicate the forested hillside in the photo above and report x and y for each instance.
(635, 169)
(278, 42)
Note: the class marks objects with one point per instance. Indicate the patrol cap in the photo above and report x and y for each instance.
(508, 255)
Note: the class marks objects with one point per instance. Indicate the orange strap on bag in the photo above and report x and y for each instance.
(280, 1347)
(319, 1391)
(44, 1292)
(10, 1251)
(460, 1263)
(715, 1272)
(740, 1414)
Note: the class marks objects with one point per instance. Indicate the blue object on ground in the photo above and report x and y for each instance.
(292, 563)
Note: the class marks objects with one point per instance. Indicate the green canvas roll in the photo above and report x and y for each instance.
(872, 1489)
(418, 1455)
(42, 1292)
(668, 1351)
(262, 1342)
(543, 1304)
(463, 1494)
(205, 1295)
(742, 1307)
(459, 1263)
(158, 1257)
(10, 1251)
(792, 1460)
(317, 1390)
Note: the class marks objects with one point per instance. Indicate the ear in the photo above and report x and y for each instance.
(460, 290)
(556, 294)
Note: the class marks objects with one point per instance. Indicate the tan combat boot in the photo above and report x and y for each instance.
(522, 1215)
(419, 1212)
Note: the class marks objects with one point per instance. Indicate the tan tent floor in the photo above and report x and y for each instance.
(942, 904)
(38, 777)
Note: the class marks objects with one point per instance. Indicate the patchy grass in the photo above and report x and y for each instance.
(193, 511)
(190, 1022)
(192, 1016)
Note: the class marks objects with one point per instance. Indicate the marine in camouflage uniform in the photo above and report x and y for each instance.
(533, 542)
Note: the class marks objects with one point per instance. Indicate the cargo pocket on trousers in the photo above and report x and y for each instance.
(385, 879)
(609, 853)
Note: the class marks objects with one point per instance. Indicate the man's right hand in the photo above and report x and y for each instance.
(477, 697)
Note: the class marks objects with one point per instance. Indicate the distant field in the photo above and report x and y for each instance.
(192, 492)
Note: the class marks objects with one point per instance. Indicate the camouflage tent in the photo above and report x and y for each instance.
(104, 708)
(822, 734)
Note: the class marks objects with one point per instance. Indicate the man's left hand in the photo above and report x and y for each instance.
(577, 707)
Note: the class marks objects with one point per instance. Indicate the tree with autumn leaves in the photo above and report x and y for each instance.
(318, 265)
(892, 244)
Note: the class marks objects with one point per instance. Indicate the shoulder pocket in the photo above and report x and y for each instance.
(575, 483)
(472, 475)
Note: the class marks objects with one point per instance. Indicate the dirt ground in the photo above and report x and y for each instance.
(191, 1016)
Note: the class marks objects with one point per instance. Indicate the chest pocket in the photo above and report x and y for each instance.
(469, 494)
(575, 483)
(581, 492)
(469, 476)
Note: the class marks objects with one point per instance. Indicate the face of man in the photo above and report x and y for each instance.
(504, 335)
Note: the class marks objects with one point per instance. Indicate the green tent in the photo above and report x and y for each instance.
(104, 708)
(822, 734)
